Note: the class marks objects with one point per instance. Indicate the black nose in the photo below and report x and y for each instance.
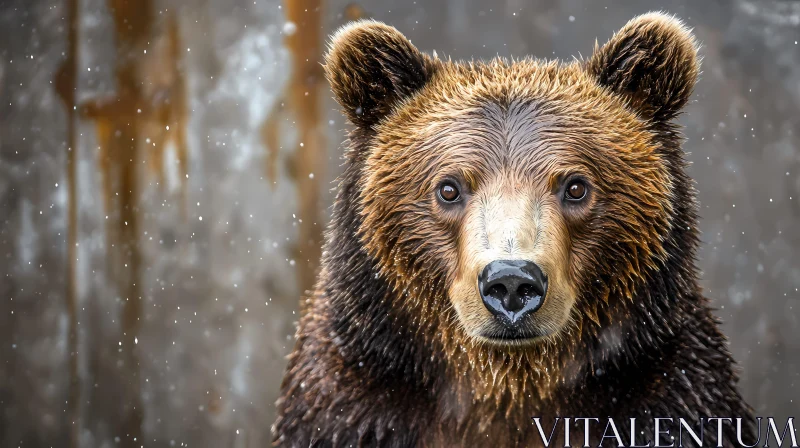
(512, 289)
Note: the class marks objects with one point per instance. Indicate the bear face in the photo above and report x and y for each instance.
(515, 195)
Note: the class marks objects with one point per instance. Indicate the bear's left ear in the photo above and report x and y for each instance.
(652, 62)
(371, 68)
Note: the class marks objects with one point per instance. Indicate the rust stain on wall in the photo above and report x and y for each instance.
(354, 11)
(303, 101)
(146, 116)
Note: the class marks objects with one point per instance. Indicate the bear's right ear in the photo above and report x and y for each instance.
(371, 67)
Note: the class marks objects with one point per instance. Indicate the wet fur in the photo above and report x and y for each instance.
(381, 358)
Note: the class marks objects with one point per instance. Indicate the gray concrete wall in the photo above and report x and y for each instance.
(221, 294)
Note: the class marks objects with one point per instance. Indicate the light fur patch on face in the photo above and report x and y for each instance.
(508, 220)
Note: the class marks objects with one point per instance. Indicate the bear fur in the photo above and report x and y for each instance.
(382, 356)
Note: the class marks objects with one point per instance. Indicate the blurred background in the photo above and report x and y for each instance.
(167, 167)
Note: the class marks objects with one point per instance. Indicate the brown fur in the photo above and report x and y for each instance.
(392, 349)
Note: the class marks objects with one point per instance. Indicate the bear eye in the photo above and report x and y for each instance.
(448, 192)
(576, 190)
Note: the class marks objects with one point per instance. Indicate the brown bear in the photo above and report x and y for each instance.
(510, 240)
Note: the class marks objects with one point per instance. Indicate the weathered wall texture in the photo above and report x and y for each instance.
(205, 145)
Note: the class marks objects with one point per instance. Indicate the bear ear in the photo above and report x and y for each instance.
(371, 67)
(652, 62)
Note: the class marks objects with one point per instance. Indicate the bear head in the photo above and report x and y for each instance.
(509, 201)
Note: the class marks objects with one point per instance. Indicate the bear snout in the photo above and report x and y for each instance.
(512, 289)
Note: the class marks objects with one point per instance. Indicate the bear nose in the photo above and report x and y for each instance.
(512, 289)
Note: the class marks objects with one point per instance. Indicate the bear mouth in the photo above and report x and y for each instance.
(511, 335)
(515, 337)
